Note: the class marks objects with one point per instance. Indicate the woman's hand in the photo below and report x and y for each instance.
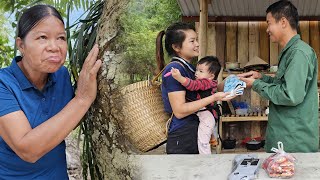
(222, 96)
(87, 82)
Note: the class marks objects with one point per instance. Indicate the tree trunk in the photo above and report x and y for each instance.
(110, 148)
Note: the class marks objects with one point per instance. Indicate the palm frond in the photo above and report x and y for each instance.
(84, 39)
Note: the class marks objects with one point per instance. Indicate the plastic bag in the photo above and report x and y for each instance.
(280, 164)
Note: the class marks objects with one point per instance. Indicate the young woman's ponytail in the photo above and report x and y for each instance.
(159, 51)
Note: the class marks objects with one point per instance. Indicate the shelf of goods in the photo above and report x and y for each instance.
(253, 117)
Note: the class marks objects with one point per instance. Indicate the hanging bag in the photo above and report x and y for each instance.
(145, 118)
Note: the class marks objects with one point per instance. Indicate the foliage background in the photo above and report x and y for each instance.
(6, 50)
(141, 24)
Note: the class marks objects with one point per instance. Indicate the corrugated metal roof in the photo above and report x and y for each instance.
(247, 8)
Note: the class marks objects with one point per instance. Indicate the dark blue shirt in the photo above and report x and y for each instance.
(18, 93)
(169, 84)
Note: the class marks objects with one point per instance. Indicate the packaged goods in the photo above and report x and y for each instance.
(280, 164)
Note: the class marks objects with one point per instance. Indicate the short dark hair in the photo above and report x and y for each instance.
(284, 8)
(32, 16)
(175, 35)
(213, 63)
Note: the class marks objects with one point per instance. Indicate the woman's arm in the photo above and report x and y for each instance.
(181, 108)
(31, 144)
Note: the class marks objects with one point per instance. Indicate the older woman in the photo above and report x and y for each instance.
(38, 108)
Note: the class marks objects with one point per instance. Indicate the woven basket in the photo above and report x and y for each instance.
(145, 118)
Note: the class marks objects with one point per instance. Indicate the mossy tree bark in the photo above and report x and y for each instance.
(110, 148)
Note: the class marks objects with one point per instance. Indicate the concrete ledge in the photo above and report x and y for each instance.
(212, 167)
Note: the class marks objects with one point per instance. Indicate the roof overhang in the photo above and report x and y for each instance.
(244, 10)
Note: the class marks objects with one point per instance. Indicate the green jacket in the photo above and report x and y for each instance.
(293, 117)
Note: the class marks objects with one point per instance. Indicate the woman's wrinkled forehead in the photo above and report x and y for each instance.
(48, 25)
(33, 16)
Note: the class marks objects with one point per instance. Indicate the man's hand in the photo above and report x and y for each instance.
(251, 74)
(248, 81)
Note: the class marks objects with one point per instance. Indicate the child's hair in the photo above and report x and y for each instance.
(213, 63)
(174, 35)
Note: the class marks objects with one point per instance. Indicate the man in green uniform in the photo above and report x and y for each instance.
(293, 117)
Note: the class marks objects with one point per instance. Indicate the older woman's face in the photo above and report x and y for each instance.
(44, 48)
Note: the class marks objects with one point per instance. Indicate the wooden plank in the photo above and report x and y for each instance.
(244, 118)
(231, 35)
(253, 39)
(203, 27)
(255, 129)
(255, 103)
(314, 40)
(221, 40)
(264, 103)
(263, 127)
(211, 40)
(263, 41)
(304, 31)
(274, 53)
(243, 43)
(233, 112)
(254, 51)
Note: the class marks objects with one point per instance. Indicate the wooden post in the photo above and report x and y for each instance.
(203, 26)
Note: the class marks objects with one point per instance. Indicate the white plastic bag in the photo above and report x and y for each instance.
(280, 164)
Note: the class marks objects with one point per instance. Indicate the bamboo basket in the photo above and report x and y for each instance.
(145, 118)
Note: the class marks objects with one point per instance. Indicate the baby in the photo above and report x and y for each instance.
(207, 71)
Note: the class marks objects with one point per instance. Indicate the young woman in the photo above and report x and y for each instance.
(181, 43)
